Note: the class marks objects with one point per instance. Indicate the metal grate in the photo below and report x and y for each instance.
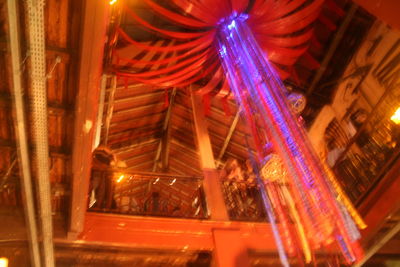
(35, 15)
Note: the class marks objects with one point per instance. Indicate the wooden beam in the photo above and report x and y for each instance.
(147, 141)
(202, 137)
(211, 184)
(148, 108)
(110, 108)
(165, 150)
(183, 145)
(55, 151)
(153, 94)
(189, 168)
(163, 146)
(52, 107)
(136, 167)
(140, 156)
(332, 48)
(99, 121)
(228, 137)
(135, 132)
(149, 118)
(147, 232)
(94, 25)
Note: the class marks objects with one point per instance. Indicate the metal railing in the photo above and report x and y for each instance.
(372, 151)
(147, 194)
(243, 200)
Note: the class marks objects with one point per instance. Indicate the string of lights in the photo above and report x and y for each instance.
(257, 87)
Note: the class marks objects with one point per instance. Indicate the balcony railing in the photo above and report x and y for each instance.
(372, 151)
(243, 200)
(147, 194)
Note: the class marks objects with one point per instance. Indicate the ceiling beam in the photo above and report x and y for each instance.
(135, 131)
(184, 146)
(332, 47)
(240, 146)
(148, 117)
(141, 109)
(140, 97)
(147, 141)
(228, 138)
(185, 166)
(141, 155)
(177, 170)
(202, 137)
(99, 122)
(110, 108)
(52, 107)
(163, 146)
(135, 167)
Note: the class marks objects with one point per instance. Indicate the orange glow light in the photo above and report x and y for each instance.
(120, 178)
(112, 2)
(3, 262)
(396, 116)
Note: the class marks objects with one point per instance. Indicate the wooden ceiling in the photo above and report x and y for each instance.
(147, 128)
(62, 22)
(141, 120)
(145, 131)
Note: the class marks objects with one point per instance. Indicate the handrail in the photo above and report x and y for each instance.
(116, 170)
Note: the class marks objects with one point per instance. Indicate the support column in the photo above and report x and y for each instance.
(230, 250)
(87, 100)
(212, 185)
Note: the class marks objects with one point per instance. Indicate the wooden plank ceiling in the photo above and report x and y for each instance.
(137, 130)
(140, 132)
(62, 20)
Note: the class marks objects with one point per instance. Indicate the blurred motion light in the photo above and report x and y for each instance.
(112, 2)
(120, 178)
(3, 262)
(396, 116)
